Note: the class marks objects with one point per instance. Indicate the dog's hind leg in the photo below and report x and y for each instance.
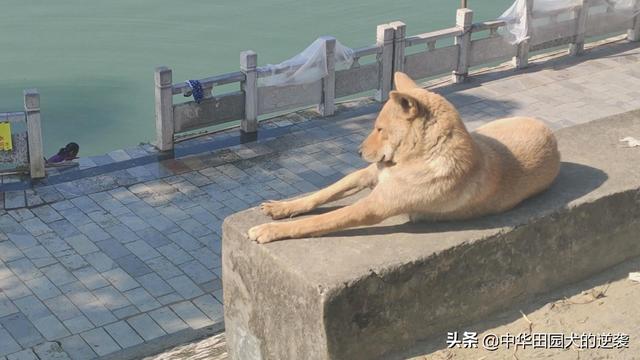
(346, 186)
(364, 212)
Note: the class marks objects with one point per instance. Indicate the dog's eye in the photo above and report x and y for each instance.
(379, 129)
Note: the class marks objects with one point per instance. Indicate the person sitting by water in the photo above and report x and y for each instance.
(66, 153)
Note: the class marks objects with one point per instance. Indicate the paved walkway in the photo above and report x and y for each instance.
(121, 256)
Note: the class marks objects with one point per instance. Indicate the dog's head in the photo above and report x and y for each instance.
(401, 123)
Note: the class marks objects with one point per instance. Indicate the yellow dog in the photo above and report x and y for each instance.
(426, 164)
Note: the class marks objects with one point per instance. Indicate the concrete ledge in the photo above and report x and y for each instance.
(374, 292)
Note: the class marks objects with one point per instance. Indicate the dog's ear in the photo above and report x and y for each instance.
(410, 105)
(403, 82)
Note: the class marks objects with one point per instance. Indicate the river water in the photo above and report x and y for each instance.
(93, 60)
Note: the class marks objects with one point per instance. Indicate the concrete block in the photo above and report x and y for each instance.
(375, 292)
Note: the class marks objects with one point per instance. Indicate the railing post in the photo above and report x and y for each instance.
(399, 34)
(577, 47)
(164, 108)
(248, 66)
(521, 60)
(464, 19)
(633, 34)
(327, 107)
(384, 38)
(34, 133)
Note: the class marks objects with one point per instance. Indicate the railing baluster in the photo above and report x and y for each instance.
(164, 109)
(34, 133)
(248, 65)
(464, 20)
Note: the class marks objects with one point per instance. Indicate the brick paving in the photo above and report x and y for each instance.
(101, 259)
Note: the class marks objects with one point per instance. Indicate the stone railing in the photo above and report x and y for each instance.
(27, 154)
(460, 52)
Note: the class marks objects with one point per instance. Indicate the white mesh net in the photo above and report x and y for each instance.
(308, 66)
(556, 19)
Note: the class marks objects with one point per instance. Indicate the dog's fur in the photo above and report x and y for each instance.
(426, 164)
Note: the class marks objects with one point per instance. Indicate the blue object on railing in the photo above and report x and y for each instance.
(196, 90)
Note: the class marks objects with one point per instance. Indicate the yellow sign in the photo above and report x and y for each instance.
(5, 137)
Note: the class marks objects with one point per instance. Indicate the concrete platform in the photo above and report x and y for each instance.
(374, 292)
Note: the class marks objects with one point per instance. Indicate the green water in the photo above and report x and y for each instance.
(93, 60)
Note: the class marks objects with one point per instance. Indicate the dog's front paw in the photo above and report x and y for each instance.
(267, 233)
(279, 209)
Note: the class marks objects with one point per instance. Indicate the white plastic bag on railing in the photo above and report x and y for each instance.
(519, 27)
(308, 66)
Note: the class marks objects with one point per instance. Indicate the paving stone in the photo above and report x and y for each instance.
(100, 342)
(133, 265)
(146, 327)
(113, 248)
(94, 232)
(62, 307)
(14, 288)
(39, 256)
(64, 228)
(211, 286)
(47, 214)
(21, 215)
(197, 272)
(210, 306)
(23, 241)
(26, 354)
(24, 269)
(6, 306)
(207, 257)
(184, 240)
(4, 271)
(111, 298)
(75, 216)
(100, 261)
(142, 250)
(123, 334)
(122, 233)
(175, 254)
(90, 278)
(190, 314)
(7, 344)
(123, 195)
(172, 212)
(21, 329)
(36, 227)
(58, 274)
(51, 351)
(86, 204)
(77, 293)
(154, 237)
(120, 279)
(126, 312)
(168, 320)
(72, 261)
(50, 327)
(133, 222)
(77, 348)
(163, 224)
(81, 244)
(43, 288)
(78, 324)
(14, 200)
(141, 299)
(32, 307)
(184, 286)
(170, 298)
(154, 284)
(9, 252)
(97, 313)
